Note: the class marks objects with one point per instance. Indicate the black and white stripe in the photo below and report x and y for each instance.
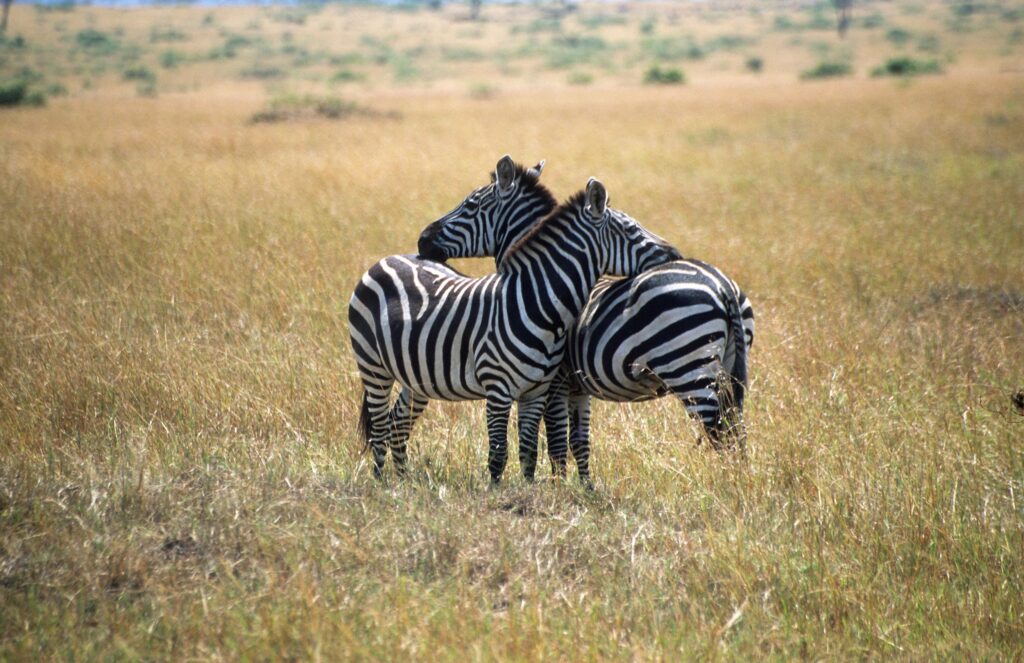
(672, 330)
(442, 335)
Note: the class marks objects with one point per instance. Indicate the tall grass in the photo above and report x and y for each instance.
(179, 471)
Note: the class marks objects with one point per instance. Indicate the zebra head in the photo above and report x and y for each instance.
(629, 248)
(492, 217)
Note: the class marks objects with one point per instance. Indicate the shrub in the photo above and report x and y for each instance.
(755, 64)
(907, 66)
(171, 59)
(16, 42)
(292, 107)
(566, 51)
(138, 73)
(647, 25)
(346, 76)
(12, 93)
(96, 41)
(669, 76)
(827, 70)
(34, 98)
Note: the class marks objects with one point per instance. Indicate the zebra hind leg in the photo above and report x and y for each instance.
(408, 408)
(498, 407)
(579, 436)
(530, 413)
(374, 424)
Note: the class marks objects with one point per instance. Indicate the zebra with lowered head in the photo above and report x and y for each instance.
(501, 337)
(682, 328)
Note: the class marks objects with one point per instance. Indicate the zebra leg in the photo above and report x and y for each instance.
(408, 408)
(498, 407)
(374, 420)
(530, 412)
(579, 435)
(556, 423)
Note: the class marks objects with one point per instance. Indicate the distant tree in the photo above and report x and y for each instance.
(434, 4)
(843, 8)
(3, 19)
(474, 8)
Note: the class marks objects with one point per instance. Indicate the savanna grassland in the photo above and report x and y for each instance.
(180, 476)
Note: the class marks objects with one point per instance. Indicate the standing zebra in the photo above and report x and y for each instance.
(673, 329)
(501, 337)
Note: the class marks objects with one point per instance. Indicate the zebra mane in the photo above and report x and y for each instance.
(575, 201)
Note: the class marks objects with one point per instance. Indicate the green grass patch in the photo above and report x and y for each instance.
(657, 75)
(907, 66)
(827, 69)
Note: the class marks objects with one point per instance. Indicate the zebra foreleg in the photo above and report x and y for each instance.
(408, 408)
(498, 407)
(530, 412)
(579, 435)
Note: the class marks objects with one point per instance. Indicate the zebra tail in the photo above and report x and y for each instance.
(739, 341)
(365, 422)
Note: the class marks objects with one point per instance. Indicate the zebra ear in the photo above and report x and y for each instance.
(505, 172)
(538, 169)
(596, 198)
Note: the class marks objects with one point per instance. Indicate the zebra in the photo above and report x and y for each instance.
(501, 338)
(673, 329)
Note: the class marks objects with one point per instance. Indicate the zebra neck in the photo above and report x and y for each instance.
(516, 220)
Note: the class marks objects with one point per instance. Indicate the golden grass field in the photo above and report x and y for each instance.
(179, 471)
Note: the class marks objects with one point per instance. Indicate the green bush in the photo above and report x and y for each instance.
(755, 64)
(346, 76)
(566, 51)
(171, 59)
(12, 93)
(907, 66)
(96, 41)
(292, 107)
(668, 76)
(827, 70)
(138, 73)
(647, 25)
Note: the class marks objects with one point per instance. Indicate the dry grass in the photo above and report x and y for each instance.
(179, 475)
